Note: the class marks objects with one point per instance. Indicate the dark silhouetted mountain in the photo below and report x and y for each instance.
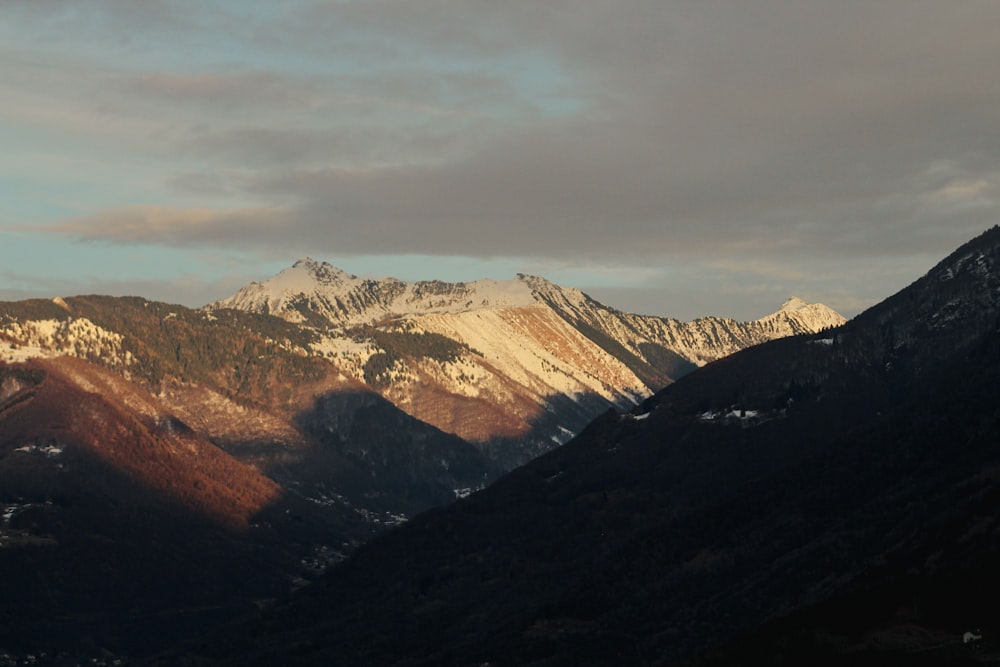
(827, 498)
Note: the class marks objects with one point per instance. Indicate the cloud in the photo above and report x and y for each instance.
(710, 128)
(225, 91)
(775, 133)
(177, 227)
(272, 149)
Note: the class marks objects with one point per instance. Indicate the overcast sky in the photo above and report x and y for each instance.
(676, 158)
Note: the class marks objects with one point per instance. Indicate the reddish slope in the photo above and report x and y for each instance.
(121, 529)
(79, 406)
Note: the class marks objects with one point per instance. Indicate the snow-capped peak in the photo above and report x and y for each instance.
(797, 316)
(321, 271)
(792, 304)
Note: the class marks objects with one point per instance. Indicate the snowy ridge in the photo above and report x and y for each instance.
(699, 341)
(310, 288)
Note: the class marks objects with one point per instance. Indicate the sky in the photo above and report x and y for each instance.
(668, 157)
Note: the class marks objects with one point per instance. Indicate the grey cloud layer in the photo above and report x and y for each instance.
(651, 129)
(706, 125)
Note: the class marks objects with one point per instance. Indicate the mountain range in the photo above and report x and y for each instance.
(166, 469)
(514, 366)
(828, 499)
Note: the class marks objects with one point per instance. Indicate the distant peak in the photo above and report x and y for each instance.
(794, 303)
(307, 262)
(320, 269)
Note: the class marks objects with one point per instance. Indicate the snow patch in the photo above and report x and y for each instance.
(50, 451)
(738, 415)
(16, 353)
(78, 337)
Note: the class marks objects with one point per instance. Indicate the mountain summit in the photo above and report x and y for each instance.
(496, 362)
(793, 303)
